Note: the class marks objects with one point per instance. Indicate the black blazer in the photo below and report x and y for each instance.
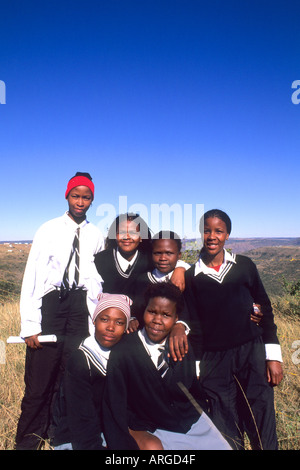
(136, 395)
(115, 281)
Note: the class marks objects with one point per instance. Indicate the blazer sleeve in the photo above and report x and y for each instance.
(82, 416)
(115, 415)
(32, 285)
(260, 296)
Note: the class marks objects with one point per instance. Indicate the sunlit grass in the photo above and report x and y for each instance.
(286, 394)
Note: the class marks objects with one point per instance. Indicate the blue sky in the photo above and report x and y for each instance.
(163, 102)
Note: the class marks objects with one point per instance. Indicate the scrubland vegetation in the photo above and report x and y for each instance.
(286, 306)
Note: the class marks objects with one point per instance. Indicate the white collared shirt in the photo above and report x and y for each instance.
(97, 353)
(162, 277)
(151, 348)
(123, 262)
(47, 261)
(200, 266)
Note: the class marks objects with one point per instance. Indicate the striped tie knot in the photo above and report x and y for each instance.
(162, 363)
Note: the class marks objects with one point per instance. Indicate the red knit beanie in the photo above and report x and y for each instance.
(80, 179)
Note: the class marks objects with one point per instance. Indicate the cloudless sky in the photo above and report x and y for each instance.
(162, 102)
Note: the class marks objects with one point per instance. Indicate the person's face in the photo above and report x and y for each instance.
(165, 255)
(128, 237)
(215, 236)
(110, 326)
(79, 200)
(159, 318)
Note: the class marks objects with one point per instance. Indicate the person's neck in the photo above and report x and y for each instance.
(77, 220)
(144, 332)
(163, 274)
(127, 255)
(212, 261)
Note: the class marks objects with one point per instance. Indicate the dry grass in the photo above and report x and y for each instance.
(12, 385)
(287, 395)
(11, 375)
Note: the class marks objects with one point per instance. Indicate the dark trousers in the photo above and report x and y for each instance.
(68, 320)
(239, 396)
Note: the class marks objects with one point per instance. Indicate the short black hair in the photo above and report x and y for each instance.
(168, 235)
(220, 215)
(86, 175)
(167, 290)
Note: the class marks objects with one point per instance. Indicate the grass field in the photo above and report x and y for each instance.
(287, 394)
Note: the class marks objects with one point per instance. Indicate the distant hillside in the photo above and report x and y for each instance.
(241, 245)
(274, 257)
(275, 262)
(13, 258)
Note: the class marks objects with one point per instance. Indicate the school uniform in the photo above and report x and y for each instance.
(45, 310)
(81, 426)
(231, 348)
(141, 285)
(118, 274)
(138, 396)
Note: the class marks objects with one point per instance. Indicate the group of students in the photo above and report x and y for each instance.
(151, 353)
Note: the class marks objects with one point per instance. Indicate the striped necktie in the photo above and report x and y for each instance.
(77, 258)
(162, 364)
(65, 285)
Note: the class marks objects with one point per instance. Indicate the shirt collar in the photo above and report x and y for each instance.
(200, 266)
(153, 349)
(98, 351)
(161, 277)
(70, 222)
(143, 335)
(123, 262)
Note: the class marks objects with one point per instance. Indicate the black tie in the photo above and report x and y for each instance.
(128, 269)
(162, 364)
(77, 258)
(65, 286)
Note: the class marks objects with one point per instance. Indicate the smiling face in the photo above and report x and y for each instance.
(215, 236)
(110, 325)
(159, 318)
(79, 200)
(128, 238)
(165, 255)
